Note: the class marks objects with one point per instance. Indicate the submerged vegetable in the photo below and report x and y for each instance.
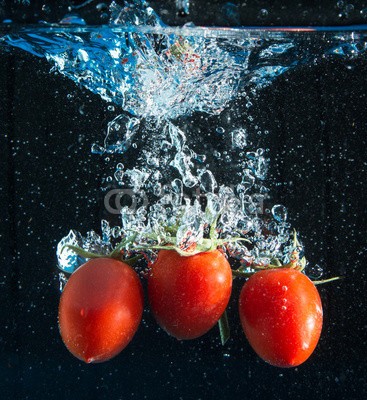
(188, 294)
(281, 315)
(100, 309)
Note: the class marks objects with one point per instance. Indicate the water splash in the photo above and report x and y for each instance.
(164, 80)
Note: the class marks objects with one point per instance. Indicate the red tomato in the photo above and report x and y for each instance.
(100, 309)
(281, 315)
(189, 294)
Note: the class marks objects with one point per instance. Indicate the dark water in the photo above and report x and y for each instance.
(51, 182)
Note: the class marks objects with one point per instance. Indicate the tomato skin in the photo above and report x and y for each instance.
(100, 309)
(189, 294)
(281, 315)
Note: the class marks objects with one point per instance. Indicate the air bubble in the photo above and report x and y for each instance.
(263, 13)
(279, 213)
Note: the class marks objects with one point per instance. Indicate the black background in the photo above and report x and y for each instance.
(215, 12)
(50, 183)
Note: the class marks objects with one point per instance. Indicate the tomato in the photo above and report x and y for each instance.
(188, 294)
(281, 315)
(100, 309)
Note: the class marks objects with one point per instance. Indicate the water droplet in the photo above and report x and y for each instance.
(279, 213)
(349, 8)
(284, 288)
(263, 13)
(315, 271)
(207, 181)
(119, 175)
(363, 13)
(46, 9)
(220, 130)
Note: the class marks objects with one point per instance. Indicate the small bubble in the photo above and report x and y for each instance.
(349, 8)
(46, 9)
(284, 308)
(109, 179)
(111, 108)
(119, 174)
(279, 213)
(220, 130)
(263, 13)
(284, 288)
(315, 271)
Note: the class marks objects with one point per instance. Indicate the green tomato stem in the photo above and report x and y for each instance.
(335, 278)
(83, 253)
(224, 329)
